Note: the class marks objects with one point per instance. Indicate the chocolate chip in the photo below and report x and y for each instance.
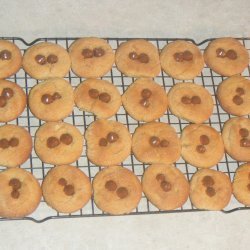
(52, 142)
(160, 177)
(15, 183)
(245, 142)
(7, 93)
(154, 141)
(122, 192)
(15, 194)
(204, 140)
(98, 52)
(187, 55)
(4, 143)
(237, 100)
(207, 181)
(52, 59)
(146, 93)
(94, 93)
(143, 58)
(178, 57)
(195, 99)
(249, 176)
(40, 59)
(231, 54)
(87, 53)
(185, 100)
(144, 103)
(3, 101)
(62, 182)
(220, 52)
(69, 190)
(47, 99)
(244, 132)
(56, 95)
(66, 139)
(164, 143)
(110, 185)
(105, 97)
(103, 142)
(201, 149)
(112, 137)
(166, 186)
(5, 55)
(210, 191)
(240, 91)
(133, 55)
(14, 142)
(248, 186)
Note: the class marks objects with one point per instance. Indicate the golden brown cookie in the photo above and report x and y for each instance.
(201, 145)
(58, 143)
(226, 56)
(66, 189)
(234, 95)
(165, 186)
(10, 59)
(99, 97)
(20, 193)
(12, 101)
(145, 100)
(190, 102)
(117, 190)
(91, 57)
(210, 189)
(138, 58)
(15, 145)
(236, 137)
(108, 142)
(156, 142)
(182, 60)
(45, 60)
(241, 184)
(51, 100)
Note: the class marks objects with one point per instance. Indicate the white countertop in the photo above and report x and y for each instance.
(134, 18)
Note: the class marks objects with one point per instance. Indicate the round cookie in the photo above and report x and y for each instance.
(190, 102)
(10, 59)
(58, 143)
(20, 193)
(51, 100)
(182, 60)
(138, 58)
(99, 97)
(156, 142)
(45, 60)
(165, 186)
(145, 100)
(241, 184)
(117, 190)
(234, 95)
(12, 101)
(210, 189)
(66, 189)
(236, 137)
(91, 57)
(15, 145)
(201, 145)
(226, 56)
(108, 142)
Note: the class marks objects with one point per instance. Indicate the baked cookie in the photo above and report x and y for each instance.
(12, 101)
(45, 60)
(234, 95)
(91, 57)
(190, 102)
(236, 137)
(108, 142)
(138, 58)
(156, 142)
(145, 100)
(226, 56)
(15, 145)
(210, 189)
(66, 189)
(117, 190)
(201, 145)
(165, 186)
(10, 59)
(58, 143)
(241, 184)
(51, 100)
(99, 97)
(182, 60)
(20, 193)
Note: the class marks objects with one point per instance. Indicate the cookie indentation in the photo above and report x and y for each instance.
(166, 186)
(204, 140)
(208, 181)
(103, 142)
(69, 190)
(122, 192)
(15, 194)
(146, 93)
(15, 183)
(5, 55)
(110, 185)
(201, 149)
(160, 177)
(185, 100)
(195, 100)
(244, 132)
(164, 143)
(210, 191)
(62, 182)
(240, 91)
(244, 142)
(98, 52)
(145, 103)
(237, 100)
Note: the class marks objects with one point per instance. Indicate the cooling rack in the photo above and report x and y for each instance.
(81, 120)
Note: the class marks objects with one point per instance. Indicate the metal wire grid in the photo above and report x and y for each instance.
(81, 120)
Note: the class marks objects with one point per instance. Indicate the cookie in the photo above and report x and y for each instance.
(145, 100)
(226, 56)
(182, 60)
(190, 102)
(241, 184)
(234, 95)
(91, 57)
(117, 190)
(10, 59)
(15, 145)
(210, 189)
(58, 143)
(51, 100)
(138, 58)
(236, 137)
(156, 142)
(12, 101)
(66, 189)
(20, 193)
(45, 60)
(108, 142)
(201, 145)
(99, 97)
(165, 186)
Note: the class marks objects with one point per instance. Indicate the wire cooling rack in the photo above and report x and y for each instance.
(81, 120)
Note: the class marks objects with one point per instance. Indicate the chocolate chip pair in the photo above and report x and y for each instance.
(183, 56)
(145, 94)
(244, 133)
(68, 188)
(157, 142)
(165, 185)
(96, 52)
(121, 192)
(13, 142)
(42, 60)
(193, 100)
(230, 54)
(104, 97)
(208, 182)
(7, 94)
(53, 142)
(48, 99)
(16, 185)
(111, 138)
(143, 57)
(204, 140)
(237, 99)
